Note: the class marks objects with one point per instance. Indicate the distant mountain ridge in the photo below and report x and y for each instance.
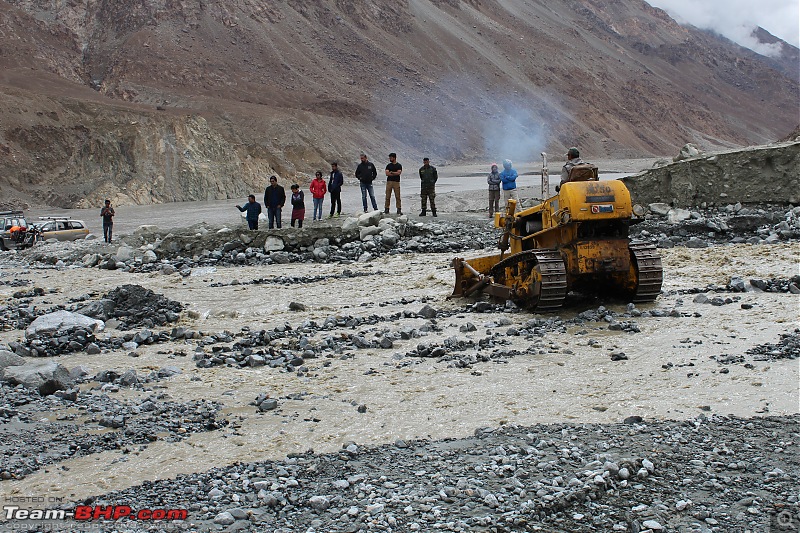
(154, 101)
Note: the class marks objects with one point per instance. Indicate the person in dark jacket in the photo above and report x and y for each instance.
(274, 199)
(366, 174)
(298, 206)
(428, 176)
(493, 179)
(335, 182)
(253, 209)
(573, 158)
(107, 212)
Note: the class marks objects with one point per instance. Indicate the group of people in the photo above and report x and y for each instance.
(275, 195)
(507, 180)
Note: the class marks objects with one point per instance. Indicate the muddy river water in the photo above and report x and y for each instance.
(558, 377)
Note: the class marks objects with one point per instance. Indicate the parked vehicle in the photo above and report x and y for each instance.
(62, 228)
(13, 231)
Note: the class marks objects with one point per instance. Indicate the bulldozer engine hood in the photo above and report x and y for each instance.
(596, 200)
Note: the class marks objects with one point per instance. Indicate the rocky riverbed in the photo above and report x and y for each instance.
(331, 385)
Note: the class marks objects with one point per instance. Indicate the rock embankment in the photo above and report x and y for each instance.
(759, 174)
(188, 251)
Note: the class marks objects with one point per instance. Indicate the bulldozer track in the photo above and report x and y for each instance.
(649, 272)
(554, 276)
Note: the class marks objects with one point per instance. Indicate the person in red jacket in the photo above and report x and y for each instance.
(318, 189)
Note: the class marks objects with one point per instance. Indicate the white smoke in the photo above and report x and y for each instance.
(736, 19)
(489, 124)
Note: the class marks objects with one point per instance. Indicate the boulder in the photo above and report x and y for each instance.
(389, 237)
(8, 359)
(280, 257)
(149, 257)
(676, 216)
(124, 254)
(687, 152)
(370, 219)
(659, 208)
(274, 244)
(101, 309)
(350, 224)
(53, 322)
(368, 231)
(44, 377)
(91, 260)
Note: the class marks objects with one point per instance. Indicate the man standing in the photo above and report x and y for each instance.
(427, 179)
(107, 212)
(335, 182)
(253, 209)
(393, 171)
(274, 198)
(508, 177)
(366, 174)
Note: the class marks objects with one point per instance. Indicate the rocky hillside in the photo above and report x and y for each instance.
(155, 101)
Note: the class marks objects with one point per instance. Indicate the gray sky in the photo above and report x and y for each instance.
(736, 19)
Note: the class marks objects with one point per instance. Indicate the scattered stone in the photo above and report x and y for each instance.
(44, 377)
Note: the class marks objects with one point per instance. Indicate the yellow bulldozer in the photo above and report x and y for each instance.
(576, 240)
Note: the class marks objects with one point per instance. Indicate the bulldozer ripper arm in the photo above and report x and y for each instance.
(470, 281)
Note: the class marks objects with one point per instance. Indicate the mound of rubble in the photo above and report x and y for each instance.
(134, 306)
(758, 174)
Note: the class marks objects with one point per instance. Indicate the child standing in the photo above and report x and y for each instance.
(298, 206)
(494, 190)
(318, 189)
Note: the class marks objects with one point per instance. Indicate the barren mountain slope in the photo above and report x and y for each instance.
(158, 101)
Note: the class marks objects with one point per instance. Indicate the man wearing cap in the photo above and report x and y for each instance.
(573, 158)
(393, 171)
(427, 179)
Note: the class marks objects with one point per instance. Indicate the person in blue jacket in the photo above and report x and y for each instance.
(508, 177)
(253, 209)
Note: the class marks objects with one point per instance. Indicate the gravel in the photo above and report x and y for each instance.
(713, 473)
